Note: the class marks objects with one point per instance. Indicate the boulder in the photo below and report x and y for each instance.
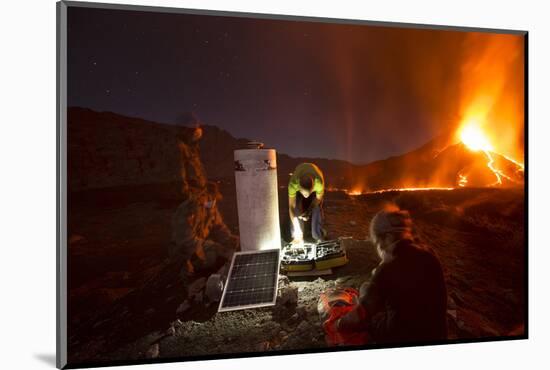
(153, 351)
(287, 295)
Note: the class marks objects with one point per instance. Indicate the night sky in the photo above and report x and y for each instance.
(358, 93)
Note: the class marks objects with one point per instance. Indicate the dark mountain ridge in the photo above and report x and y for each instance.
(108, 150)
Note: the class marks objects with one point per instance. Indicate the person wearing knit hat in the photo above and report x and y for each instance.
(405, 300)
(387, 228)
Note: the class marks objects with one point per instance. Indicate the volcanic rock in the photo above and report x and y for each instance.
(287, 295)
(196, 286)
(153, 351)
(183, 307)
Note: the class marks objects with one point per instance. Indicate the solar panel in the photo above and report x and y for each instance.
(252, 280)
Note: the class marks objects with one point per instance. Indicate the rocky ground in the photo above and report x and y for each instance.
(116, 247)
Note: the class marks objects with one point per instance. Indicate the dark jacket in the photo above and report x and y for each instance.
(406, 298)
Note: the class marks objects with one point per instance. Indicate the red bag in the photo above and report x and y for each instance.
(333, 304)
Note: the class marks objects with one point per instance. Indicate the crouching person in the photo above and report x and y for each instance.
(405, 300)
(199, 236)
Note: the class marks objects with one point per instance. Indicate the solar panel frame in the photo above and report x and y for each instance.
(236, 269)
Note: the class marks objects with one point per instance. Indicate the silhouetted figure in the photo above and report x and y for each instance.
(199, 236)
(405, 300)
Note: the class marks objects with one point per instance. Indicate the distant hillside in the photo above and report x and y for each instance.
(440, 163)
(217, 148)
(109, 150)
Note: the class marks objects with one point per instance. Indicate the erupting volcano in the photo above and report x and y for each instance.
(460, 159)
(506, 172)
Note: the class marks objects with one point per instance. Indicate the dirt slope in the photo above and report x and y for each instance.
(478, 234)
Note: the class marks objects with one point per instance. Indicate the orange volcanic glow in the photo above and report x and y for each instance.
(480, 125)
(491, 101)
(358, 192)
(410, 189)
(462, 180)
(478, 118)
(473, 137)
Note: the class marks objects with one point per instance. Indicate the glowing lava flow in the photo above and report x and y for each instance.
(491, 166)
(408, 189)
(521, 167)
(472, 136)
(357, 192)
(462, 180)
(354, 193)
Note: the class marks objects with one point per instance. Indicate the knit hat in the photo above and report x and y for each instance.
(391, 220)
